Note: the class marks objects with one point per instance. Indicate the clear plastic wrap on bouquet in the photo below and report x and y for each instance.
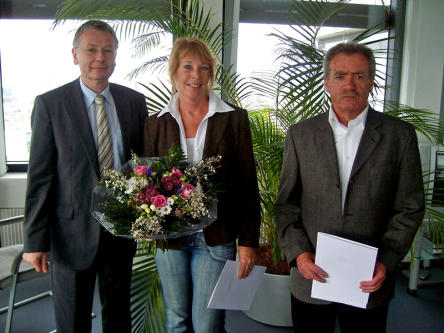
(118, 208)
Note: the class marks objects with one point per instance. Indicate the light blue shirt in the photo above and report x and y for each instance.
(113, 121)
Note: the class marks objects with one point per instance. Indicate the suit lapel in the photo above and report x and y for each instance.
(215, 130)
(77, 112)
(369, 141)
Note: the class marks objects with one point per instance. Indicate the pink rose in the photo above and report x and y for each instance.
(141, 170)
(187, 191)
(159, 200)
(176, 172)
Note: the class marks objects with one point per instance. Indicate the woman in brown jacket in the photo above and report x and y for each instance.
(204, 125)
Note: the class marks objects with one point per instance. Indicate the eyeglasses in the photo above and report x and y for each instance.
(92, 51)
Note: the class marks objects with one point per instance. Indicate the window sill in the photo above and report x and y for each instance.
(12, 190)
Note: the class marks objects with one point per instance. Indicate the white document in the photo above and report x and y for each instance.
(347, 263)
(233, 294)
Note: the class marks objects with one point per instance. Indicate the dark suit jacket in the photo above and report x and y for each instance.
(63, 170)
(384, 202)
(228, 134)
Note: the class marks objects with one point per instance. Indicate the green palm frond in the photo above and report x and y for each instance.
(157, 96)
(148, 41)
(268, 144)
(232, 86)
(310, 16)
(155, 65)
(147, 310)
(136, 13)
(426, 122)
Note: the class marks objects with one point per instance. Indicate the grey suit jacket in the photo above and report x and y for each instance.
(63, 170)
(384, 202)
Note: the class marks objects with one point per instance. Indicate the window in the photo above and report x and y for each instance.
(255, 58)
(36, 58)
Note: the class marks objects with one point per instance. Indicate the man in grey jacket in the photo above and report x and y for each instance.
(354, 173)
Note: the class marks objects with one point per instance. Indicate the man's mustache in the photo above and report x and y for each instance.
(348, 94)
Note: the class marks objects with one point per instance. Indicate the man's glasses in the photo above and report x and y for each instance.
(92, 51)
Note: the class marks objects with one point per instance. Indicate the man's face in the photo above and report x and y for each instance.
(96, 56)
(349, 83)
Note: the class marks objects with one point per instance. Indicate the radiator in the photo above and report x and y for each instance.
(12, 233)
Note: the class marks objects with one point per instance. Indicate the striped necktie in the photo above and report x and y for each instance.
(104, 142)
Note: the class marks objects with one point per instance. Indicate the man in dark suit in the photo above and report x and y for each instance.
(67, 157)
(355, 173)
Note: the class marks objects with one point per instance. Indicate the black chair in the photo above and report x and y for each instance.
(14, 271)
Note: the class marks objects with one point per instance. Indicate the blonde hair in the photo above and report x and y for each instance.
(190, 46)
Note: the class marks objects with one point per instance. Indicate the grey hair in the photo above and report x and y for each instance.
(350, 48)
(97, 25)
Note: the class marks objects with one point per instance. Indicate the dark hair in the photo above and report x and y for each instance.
(97, 25)
(350, 48)
(190, 46)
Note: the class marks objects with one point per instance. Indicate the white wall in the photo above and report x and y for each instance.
(2, 136)
(423, 59)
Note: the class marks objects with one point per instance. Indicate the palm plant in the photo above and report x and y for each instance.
(297, 90)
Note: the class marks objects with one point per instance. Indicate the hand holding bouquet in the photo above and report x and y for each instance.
(157, 198)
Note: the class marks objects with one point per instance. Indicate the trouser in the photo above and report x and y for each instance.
(322, 318)
(73, 290)
(188, 277)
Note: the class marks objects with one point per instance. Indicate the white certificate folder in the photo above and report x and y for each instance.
(233, 294)
(347, 263)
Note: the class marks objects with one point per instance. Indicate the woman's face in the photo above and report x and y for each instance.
(192, 78)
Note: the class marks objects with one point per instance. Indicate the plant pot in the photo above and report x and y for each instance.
(272, 302)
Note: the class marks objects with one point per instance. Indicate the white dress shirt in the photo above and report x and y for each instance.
(197, 145)
(347, 141)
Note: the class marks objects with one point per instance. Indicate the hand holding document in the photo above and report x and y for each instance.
(347, 263)
(232, 293)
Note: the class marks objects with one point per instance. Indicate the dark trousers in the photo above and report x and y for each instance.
(73, 290)
(322, 318)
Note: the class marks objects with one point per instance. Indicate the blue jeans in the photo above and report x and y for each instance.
(188, 277)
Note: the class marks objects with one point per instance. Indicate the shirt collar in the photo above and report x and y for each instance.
(215, 104)
(89, 95)
(359, 120)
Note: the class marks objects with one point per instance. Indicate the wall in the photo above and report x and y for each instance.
(423, 59)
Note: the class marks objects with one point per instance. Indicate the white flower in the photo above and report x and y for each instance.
(165, 210)
(135, 184)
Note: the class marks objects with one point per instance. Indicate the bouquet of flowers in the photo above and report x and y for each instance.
(157, 197)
